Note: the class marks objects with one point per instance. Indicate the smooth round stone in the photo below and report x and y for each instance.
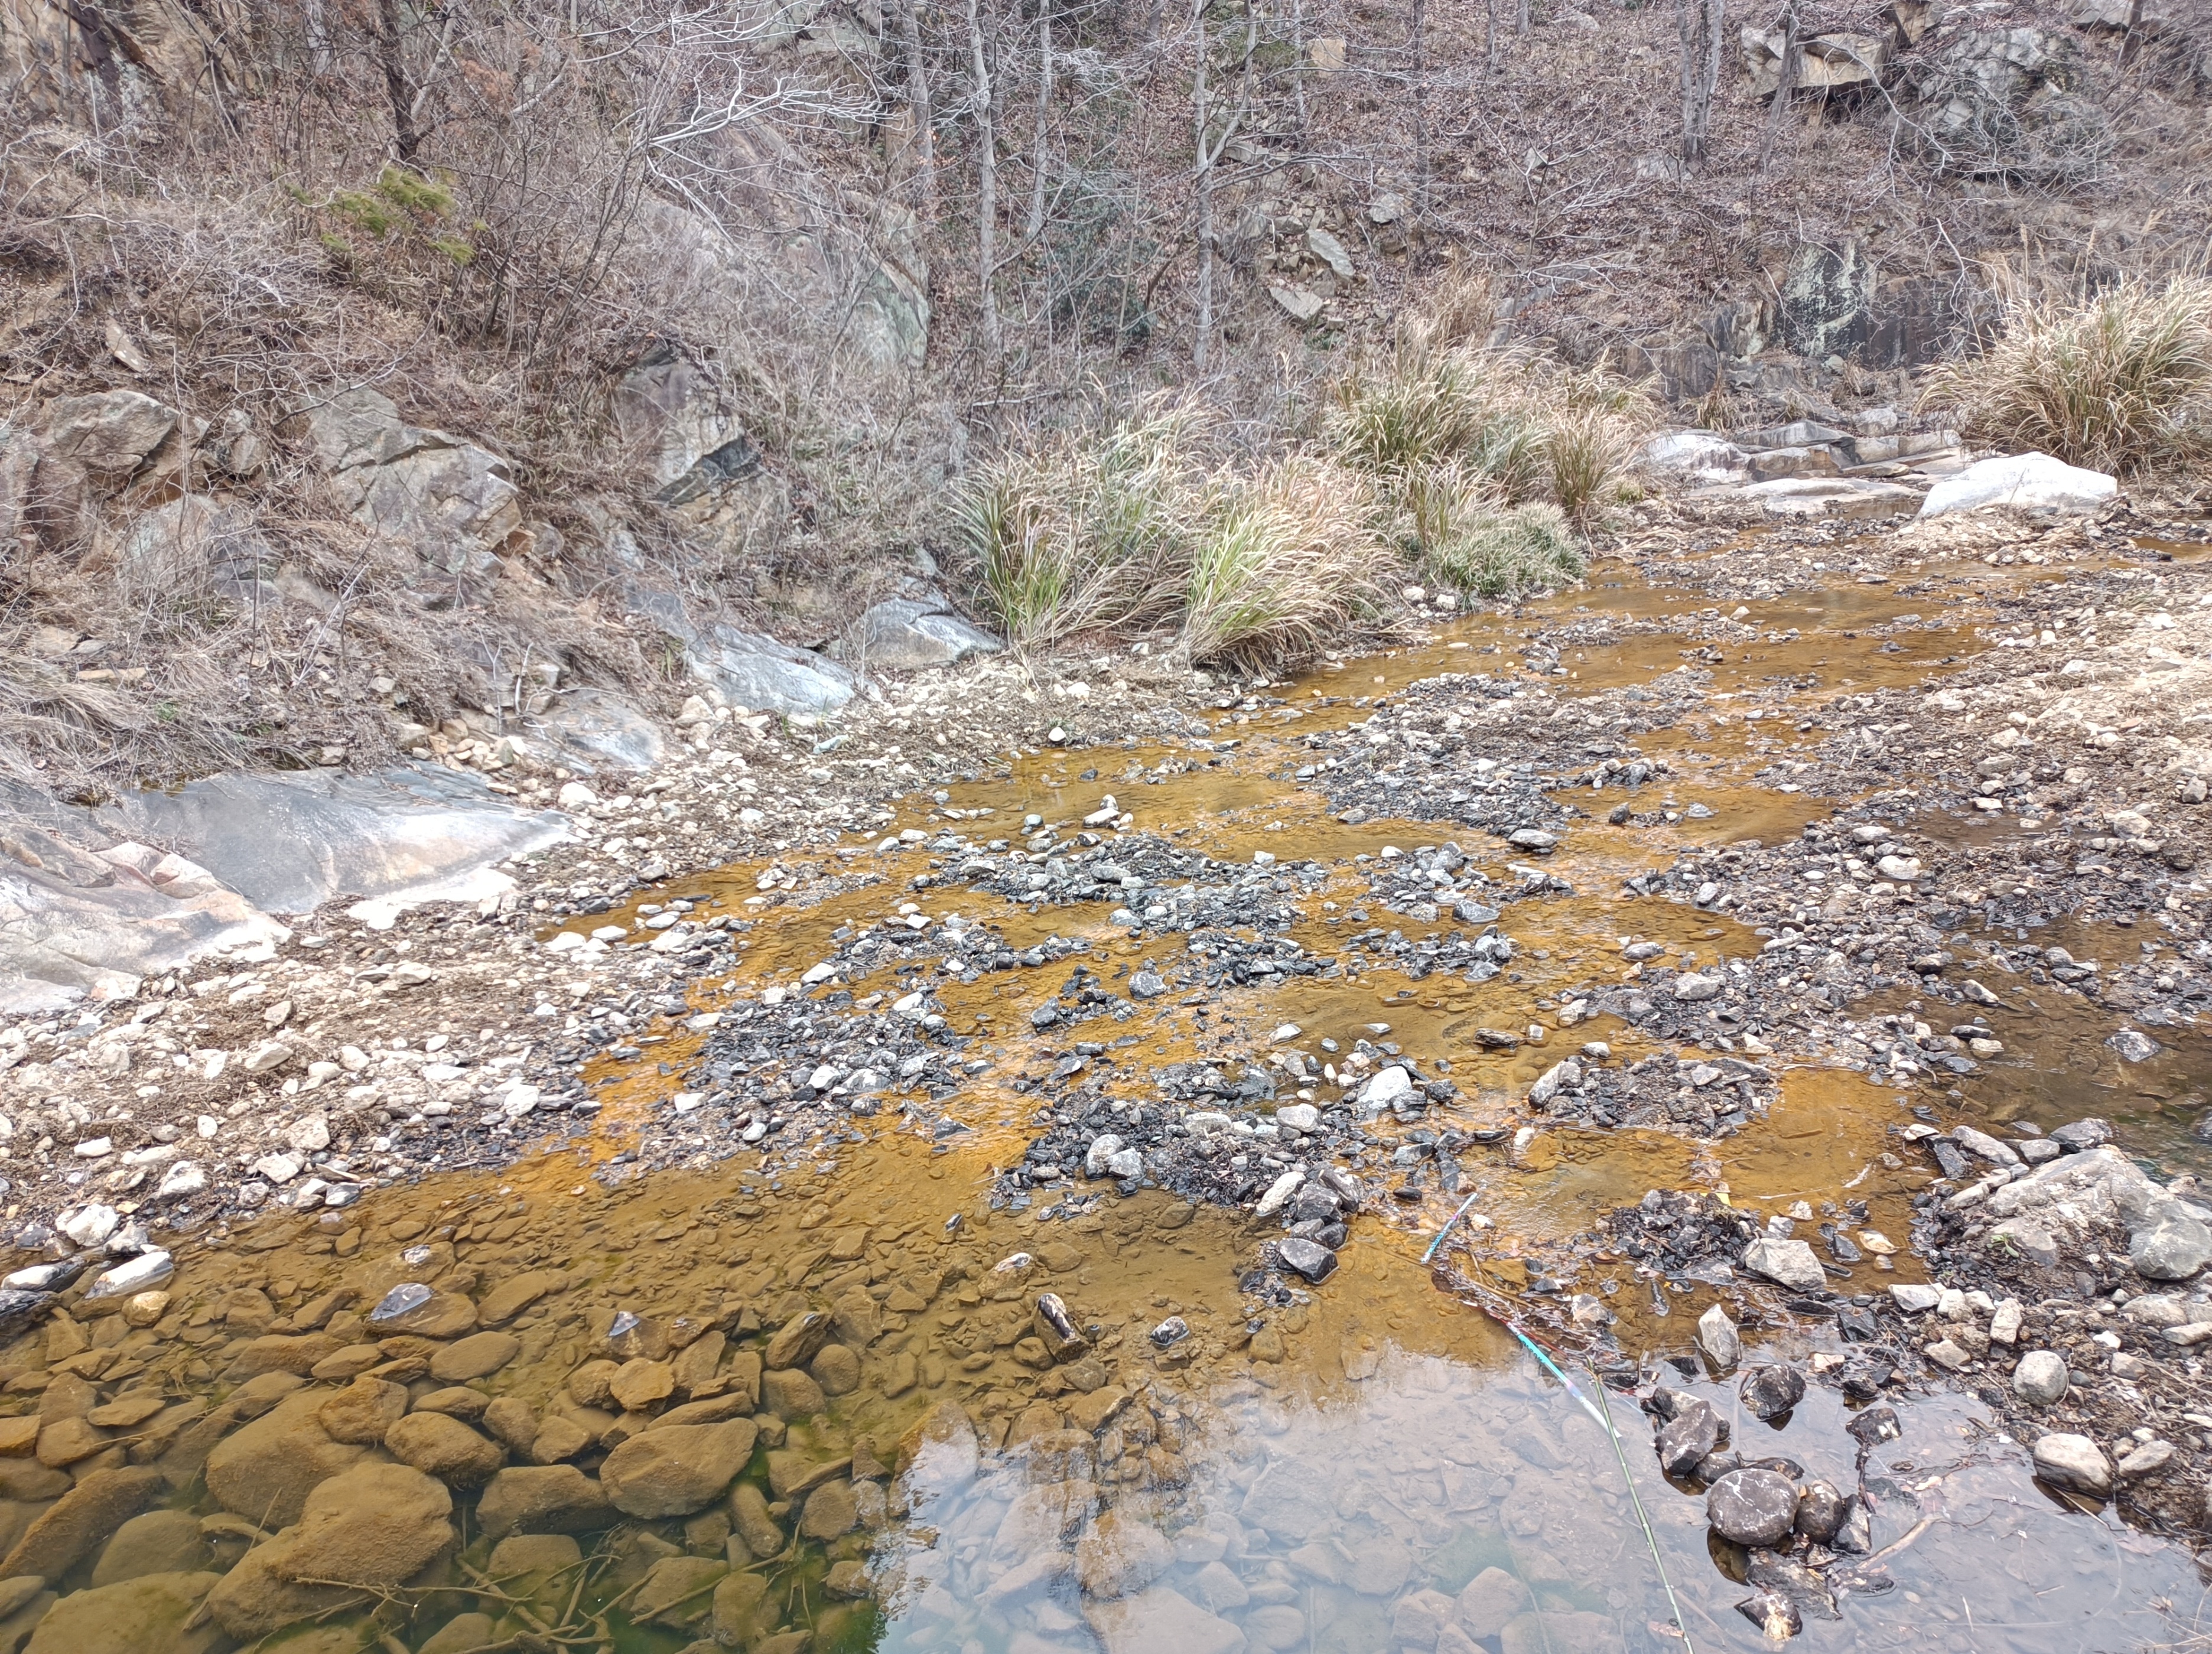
(1753, 1508)
(2074, 1461)
(2040, 1379)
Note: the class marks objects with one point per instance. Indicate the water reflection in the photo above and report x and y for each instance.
(1427, 1501)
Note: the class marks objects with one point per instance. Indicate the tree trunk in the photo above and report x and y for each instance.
(1420, 70)
(986, 187)
(1200, 104)
(319, 37)
(924, 143)
(1785, 87)
(1298, 63)
(1700, 21)
(405, 139)
(1035, 227)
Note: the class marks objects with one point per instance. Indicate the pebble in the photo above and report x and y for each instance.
(1718, 1340)
(2074, 1463)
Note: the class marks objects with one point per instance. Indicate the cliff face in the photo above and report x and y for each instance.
(60, 60)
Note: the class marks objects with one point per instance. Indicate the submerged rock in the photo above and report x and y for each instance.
(1771, 1391)
(364, 1532)
(1752, 1507)
(153, 1613)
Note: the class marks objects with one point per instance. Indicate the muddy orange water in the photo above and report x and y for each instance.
(1372, 1468)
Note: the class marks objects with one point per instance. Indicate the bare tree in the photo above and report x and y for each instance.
(391, 59)
(1035, 227)
(923, 144)
(1209, 153)
(1785, 86)
(1298, 62)
(1420, 78)
(1700, 21)
(987, 184)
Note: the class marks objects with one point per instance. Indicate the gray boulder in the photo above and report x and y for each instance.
(2168, 1243)
(110, 433)
(290, 843)
(912, 635)
(753, 670)
(670, 411)
(77, 925)
(1695, 460)
(194, 544)
(595, 730)
(1818, 498)
(454, 502)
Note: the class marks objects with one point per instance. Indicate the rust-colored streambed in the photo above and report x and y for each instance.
(812, 1401)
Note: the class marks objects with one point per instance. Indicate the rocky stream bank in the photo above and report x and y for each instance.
(923, 1179)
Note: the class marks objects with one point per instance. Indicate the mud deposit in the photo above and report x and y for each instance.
(1017, 1230)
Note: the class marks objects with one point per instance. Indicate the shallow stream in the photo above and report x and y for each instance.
(1377, 1465)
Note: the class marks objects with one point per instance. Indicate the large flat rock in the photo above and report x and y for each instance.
(753, 670)
(75, 926)
(289, 843)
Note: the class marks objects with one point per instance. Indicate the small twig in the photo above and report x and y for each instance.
(1897, 1545)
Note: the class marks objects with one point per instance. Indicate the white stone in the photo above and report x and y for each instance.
(1717, 1338)
(88, 1225)
(1386, 1090)
(2035, 481)
(142, 1274)
(2040, 1379)
(276, 1168)
(266, 1057)
(1279, 1192)
(1788, 1263)
(1299, 1116)
(574, 795)
(181, 1181)
(309, 1133)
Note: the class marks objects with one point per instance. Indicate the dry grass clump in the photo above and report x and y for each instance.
(1089, 534)
(1287, 562)
(1131, 531)
(1487, 462)
(1496, 553)
(2119, 382)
